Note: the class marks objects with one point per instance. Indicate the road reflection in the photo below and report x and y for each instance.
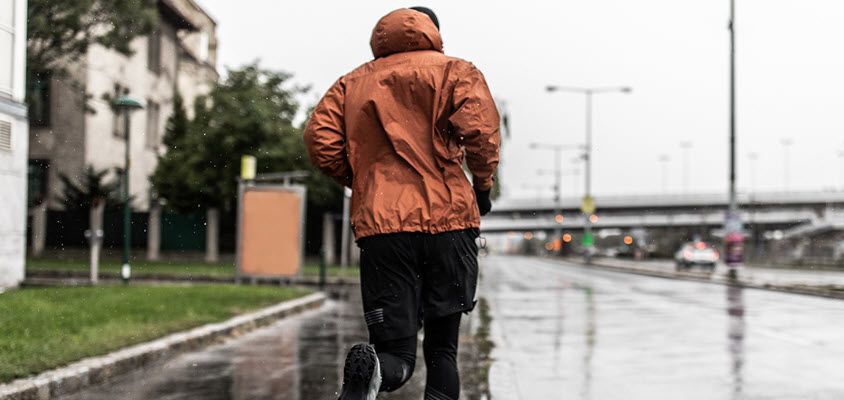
(297, 359)
(735, 336)
(589, 348)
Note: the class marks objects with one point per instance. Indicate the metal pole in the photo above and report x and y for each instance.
(588, 243)
(558, 171)
(733, 207)
(126, 270)
(733, 226)
(345, 235)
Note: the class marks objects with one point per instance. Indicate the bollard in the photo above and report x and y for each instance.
(322, 269)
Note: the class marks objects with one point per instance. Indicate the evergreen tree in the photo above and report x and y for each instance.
(171, 179)
(251, 112)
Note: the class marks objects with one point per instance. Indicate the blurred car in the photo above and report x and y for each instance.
(696, 254)
(610, 252)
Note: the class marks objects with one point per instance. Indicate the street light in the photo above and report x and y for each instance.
(588, 204)
(733, 225)
(125, 105)
(558, 172)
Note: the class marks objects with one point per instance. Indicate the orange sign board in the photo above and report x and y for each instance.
(271, 231)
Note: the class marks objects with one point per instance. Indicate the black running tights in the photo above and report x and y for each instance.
(398, 357)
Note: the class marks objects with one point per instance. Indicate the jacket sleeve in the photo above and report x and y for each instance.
(476, 122)
(325, 136)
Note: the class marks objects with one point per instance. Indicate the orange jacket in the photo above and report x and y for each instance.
(398, 128)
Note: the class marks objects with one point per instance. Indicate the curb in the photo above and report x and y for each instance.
(691, 276)
(73, 278)
(100, 369)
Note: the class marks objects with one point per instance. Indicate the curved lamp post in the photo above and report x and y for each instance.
(125, 105)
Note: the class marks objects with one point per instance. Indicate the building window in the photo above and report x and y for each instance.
(117, 122)
(38, 93)
(7, 45)
(153, 123)
(154, 51)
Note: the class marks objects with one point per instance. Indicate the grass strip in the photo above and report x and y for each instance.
(45, 328)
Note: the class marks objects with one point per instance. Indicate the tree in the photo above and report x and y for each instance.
(172, 174)
(60, 32)
(91, 190)
(251, 112)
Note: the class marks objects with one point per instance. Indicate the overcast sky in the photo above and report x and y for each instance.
(674, 53)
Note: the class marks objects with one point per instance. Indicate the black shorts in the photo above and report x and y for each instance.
(409, 277)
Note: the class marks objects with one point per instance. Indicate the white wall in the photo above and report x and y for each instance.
(105, 68)
(13, 162)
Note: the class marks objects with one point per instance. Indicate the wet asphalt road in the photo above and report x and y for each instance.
(754, 274)
(562, 332)
(299, 358)
(567, 332)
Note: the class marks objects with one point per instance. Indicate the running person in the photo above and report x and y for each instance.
(397, 130)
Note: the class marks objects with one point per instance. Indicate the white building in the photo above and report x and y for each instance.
(64, 139)
(14, 139)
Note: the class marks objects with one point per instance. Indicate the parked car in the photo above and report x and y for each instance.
(696, 254)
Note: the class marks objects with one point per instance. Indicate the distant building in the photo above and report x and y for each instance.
(13, 141)
(180, 55)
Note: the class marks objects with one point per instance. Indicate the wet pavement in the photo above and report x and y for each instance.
(752, 274)
(565, 331)
(299, 358)
(561, 331)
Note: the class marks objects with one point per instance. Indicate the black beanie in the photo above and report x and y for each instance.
(430, 13)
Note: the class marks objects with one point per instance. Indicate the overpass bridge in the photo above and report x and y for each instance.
(793, 211)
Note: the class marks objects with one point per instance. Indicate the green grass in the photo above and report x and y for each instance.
(179, 269)
(44, 328)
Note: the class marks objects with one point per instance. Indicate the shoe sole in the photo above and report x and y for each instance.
(361, 374)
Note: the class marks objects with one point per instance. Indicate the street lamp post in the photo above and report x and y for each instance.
(733, 226)
(558, 173)
(126, 105)
(588, 204)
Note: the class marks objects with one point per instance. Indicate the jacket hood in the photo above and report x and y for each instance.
(404, 30)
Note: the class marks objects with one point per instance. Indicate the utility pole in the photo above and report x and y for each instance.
(733, 226)
(558, 174)
(588, 203)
